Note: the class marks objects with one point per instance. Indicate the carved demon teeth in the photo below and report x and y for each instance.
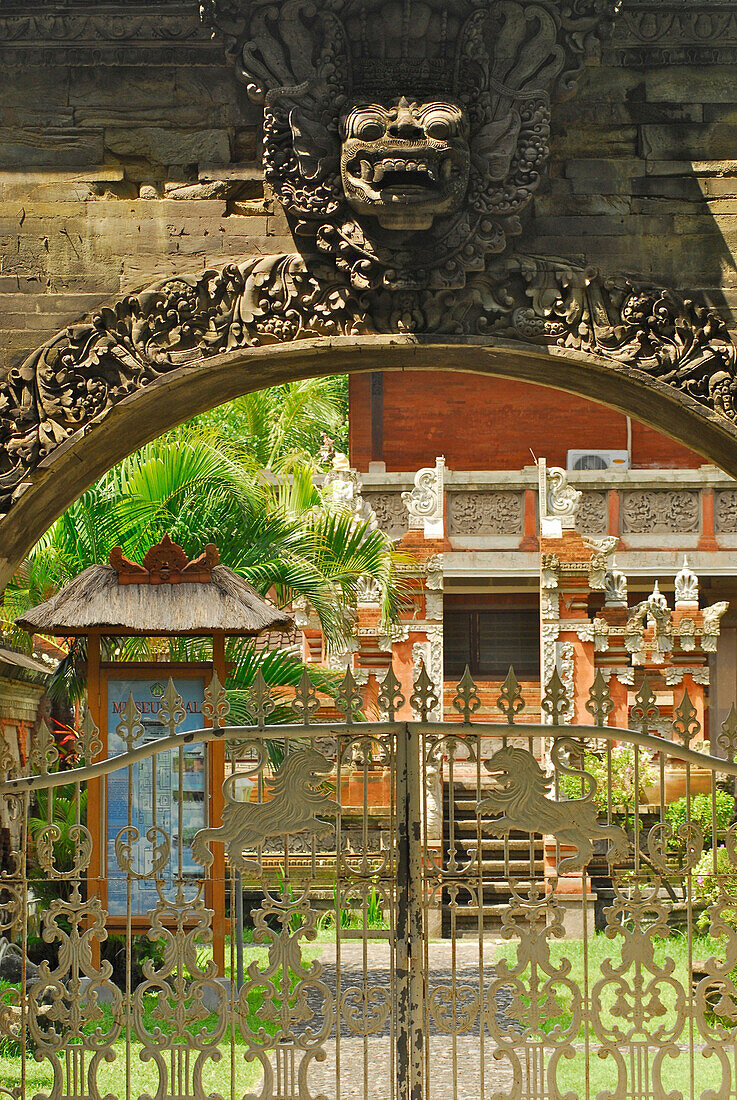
(446, 168)
(379, 170)
(367, 172)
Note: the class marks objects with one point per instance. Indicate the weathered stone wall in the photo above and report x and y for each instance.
(128, 151)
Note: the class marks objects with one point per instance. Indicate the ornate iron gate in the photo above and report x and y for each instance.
(400, 948)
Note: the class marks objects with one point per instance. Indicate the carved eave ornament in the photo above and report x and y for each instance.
(404, 139)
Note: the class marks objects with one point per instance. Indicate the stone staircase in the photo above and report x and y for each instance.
(500, 861)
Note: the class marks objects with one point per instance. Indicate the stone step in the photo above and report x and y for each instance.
(495, 868)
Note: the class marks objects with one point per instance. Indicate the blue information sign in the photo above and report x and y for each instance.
(148, 695)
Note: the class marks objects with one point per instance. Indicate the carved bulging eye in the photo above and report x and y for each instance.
(438, 127)
(370, 129)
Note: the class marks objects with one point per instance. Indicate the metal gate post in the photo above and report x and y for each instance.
(409, 948)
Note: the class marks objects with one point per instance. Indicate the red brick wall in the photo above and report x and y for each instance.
(483, 423)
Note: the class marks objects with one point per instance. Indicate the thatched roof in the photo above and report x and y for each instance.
(107, 598)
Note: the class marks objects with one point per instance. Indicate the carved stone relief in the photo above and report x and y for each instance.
(424, 503)
(703, 32)
(725, 512)
(558, 501)
(486, 513)
(395, 133)
(661, 512)
(592, 517)
(403, 141)
(389, 510)
(430, 653)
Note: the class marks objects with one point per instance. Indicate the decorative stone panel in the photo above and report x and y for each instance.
(661, 512)
(492, 513)
(390, 511)
(725, 512)
(592, 517)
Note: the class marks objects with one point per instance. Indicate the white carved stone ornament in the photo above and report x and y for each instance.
(392, 634)
(425, 502)
(342, 492)
(615, 587)
(565, 664)
(559, 501)
(368, 592)
(699, 673)
(430, 654)
(687, 634)
(601, 559)
(549, 571)
(712, 617)
(601, 635)
(302, 610)
(687, 585)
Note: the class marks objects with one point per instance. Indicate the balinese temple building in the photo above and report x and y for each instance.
(589, 572)
(636, 580)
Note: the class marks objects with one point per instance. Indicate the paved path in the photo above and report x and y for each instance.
(363, 1068)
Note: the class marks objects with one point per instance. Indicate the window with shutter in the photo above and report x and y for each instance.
(489, 641)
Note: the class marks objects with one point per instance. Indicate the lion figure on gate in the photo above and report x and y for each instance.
(297, 797)
(522, 797)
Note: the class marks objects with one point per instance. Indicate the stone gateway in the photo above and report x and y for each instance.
(405, 142)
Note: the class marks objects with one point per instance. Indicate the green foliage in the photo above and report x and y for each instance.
(622, 777)
(114, 950)
(707, 885)
(242, 477)
(304, 420)
(353, 917)
(701, 813)
(59, 809)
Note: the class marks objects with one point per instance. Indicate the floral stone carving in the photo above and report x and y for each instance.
(80, 374)
(403, 138)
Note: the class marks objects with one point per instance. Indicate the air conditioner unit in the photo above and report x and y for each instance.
(597, 460)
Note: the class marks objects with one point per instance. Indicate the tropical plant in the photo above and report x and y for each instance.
(60, 810)
(199, 485)
(615, 777)
(709, 884)
(677, 814)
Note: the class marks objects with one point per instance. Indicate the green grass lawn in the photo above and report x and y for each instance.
(111, 1077)
(584, 1075)
(587, 1074)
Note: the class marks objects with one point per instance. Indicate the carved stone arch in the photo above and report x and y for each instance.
(143, 407)
(404, 139)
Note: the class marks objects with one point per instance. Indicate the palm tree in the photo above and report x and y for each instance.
(289, 424)
(201, 485)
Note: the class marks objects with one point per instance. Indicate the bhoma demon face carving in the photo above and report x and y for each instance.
(405, 163)
(405, 137)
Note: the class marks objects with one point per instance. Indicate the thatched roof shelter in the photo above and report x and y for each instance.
(166, 594)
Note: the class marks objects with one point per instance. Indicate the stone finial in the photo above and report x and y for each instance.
(657, 599)
(559, 501)
(342, 492)
(425, 501)
(687, 585)
(615, 587)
